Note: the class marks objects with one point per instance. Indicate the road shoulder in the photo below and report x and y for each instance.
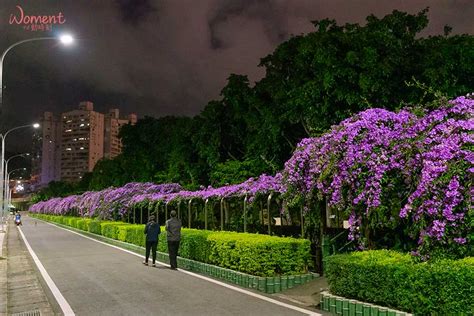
(25, 291)
(3, 274)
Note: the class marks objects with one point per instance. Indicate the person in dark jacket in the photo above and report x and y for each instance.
(173, 234)
(152, 230)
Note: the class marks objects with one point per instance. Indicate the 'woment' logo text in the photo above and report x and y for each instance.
(35, 22)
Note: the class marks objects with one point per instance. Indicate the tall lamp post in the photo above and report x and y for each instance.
(65, 39)
(5, 190)
(2, 164)
(8, 193)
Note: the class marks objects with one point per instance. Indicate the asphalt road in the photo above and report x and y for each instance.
(96, 279)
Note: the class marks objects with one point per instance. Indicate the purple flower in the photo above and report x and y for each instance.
(461, 241)
(424, 162)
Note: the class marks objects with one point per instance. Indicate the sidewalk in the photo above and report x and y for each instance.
(3, 275)
(22, 292)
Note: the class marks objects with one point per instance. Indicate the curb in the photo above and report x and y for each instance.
(338, 305)
(3, 272)
(267, 285)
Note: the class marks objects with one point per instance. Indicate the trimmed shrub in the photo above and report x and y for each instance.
(72, 221)
(56, 219)
(260, 255)
(94, 227)
(395, 280)
(194, 244)
(110, 229)
(162, 241)
(83, 224)
(132, 233)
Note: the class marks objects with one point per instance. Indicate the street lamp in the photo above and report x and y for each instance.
(8, 193)
(2, 160)
(5, 190)
(65, 39)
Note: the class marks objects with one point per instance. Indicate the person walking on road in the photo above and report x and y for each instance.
(173, 234)
(18, 219)
(152, 230)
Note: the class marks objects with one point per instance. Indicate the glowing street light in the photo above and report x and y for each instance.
(6, 184)
(3, 176)
(8, 196)
(65, 39)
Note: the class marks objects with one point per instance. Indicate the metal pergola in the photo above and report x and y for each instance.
(162, 206)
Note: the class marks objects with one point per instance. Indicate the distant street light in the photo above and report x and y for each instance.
(8, 193)
(2, 164)
(6, 184)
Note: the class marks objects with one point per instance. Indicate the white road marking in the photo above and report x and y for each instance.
(65, 307)
(237, 289)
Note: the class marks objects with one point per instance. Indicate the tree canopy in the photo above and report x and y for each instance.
(312, 82)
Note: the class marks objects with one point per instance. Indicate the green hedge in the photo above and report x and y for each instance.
(259, 255)
(110, 229)
(83, 224)
(132, 233)
(395, 280)
(194, 244)
(94, 227)
(73, 222)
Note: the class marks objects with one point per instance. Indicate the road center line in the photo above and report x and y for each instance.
(65, 307)
(237, 289)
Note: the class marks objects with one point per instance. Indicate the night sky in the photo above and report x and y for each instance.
(165, 57)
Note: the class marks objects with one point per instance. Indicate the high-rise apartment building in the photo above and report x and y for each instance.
(82, 141)
(46, 160)
(113, 123)
(72, 144)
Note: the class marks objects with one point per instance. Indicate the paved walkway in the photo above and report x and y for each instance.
(24, 290)
(3, 275)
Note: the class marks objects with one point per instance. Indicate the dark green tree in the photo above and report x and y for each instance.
(312, 81)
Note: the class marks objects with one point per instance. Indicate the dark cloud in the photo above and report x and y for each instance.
(266, 11)
(135, 11)
(161, 57)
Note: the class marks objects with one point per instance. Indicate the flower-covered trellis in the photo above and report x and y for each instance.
(394, 167)
(379, 168)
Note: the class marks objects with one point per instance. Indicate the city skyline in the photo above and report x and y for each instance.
(70, 143)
